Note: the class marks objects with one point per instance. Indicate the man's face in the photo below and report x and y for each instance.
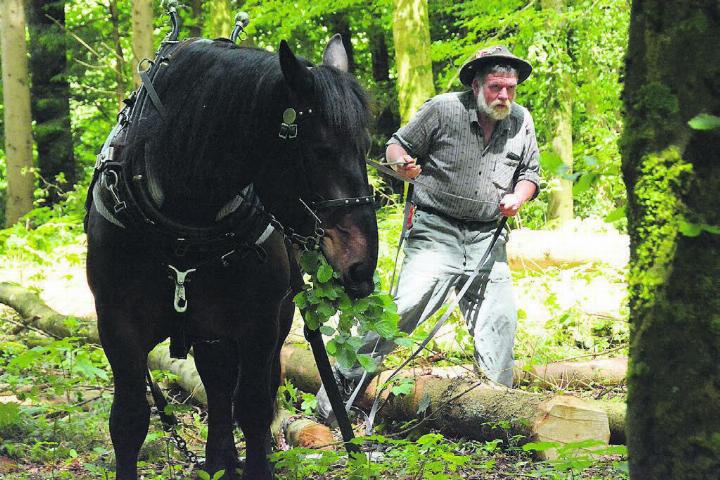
(495, 96)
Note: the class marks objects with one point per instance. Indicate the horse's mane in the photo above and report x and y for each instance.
(224, 104)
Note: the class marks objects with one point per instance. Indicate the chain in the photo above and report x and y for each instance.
(182, 447)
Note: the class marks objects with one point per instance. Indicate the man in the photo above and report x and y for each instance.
(477, 158)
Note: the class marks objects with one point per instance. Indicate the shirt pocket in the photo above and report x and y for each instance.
(504, 172)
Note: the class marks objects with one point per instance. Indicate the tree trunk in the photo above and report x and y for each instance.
(142, 40)
(560, 208)
(411, 35)
(196, 13)
(51, 97)
(120, 84)
(219, 18)
(672, 174)
(538, 249)
(16, 100)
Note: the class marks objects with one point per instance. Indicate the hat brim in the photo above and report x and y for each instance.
(468, 71)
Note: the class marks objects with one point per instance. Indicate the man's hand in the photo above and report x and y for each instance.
(510, 205)
(409, 169)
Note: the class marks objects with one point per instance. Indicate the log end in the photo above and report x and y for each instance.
(568, 419)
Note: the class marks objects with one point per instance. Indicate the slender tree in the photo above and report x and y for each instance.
(51, 96)
(560, 208)
(220, 18)
(120, 84)
(672, 174)
(411, 35)
(16, 98)
(142, 40)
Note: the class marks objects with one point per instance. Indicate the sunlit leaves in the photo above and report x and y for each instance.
(705, 122)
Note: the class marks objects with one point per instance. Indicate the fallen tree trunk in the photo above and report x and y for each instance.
(300, 432)
(471, 409)
(542, 248)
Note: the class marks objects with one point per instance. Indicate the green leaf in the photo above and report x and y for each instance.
(311, 319)
(615, 215)
(324, 273)
(327, 330)
(552, 163)
(404, 387)
(326, 310)
(301, 300)
(424, 403)
(309, 261)
(690, 229)
(331, 347)
(218, 475)
(9, 414)
(584, 183)
(345, 356)
(367, 362)
(705, 121)
(540, 446)
(203, 475)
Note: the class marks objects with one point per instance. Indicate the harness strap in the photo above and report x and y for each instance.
(152, 93)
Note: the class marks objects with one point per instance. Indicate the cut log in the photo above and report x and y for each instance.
(462, 406)
(601, 371)
(300, 432)
(542, 248)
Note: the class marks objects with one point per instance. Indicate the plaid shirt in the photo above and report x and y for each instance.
(446, 138)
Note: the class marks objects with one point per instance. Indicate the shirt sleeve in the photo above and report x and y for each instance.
(530, 169)
(416, 137)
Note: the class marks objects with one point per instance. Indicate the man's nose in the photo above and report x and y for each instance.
(503, 95)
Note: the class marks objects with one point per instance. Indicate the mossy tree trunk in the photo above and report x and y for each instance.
(51, 97)
(16, 100)
(219, 18)
(560, 208)
(411, 35)
(142, 34)
(672, 174)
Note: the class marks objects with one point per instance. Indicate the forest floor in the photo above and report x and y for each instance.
(55, 402)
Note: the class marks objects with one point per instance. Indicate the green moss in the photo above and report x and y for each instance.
(663, 178)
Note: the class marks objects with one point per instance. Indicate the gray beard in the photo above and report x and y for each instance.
(487, 110)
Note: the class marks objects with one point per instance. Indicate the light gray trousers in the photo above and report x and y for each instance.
(441, 254)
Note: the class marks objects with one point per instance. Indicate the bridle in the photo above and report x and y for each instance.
(289, 131)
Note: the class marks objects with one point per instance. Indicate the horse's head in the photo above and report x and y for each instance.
(327, 162)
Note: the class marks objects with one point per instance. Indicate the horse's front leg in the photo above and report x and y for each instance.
(126, 351)
(255, 402)
(217, 364)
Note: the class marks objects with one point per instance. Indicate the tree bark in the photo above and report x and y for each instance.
(219, 18)
(411, 35)
(142, 40)
(120, 84)
(16, 100)
(672, 174)
(560, 208)
(51, 97)
(196, 12)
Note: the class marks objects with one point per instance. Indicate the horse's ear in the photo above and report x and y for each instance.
(297, 76)
(335, 54)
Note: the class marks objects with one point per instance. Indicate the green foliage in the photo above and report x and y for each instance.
(705, 121)
(325, 297)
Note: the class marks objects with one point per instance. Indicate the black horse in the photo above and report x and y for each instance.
(189, 228)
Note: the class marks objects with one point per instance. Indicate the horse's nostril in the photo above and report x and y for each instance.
(359, 272)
